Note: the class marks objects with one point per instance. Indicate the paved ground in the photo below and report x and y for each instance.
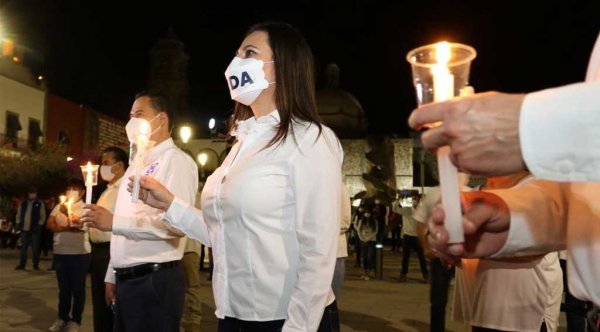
(28, 299)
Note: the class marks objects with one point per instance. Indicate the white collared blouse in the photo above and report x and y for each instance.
(272, 217)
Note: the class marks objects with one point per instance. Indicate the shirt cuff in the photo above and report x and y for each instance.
(176, 211)
(557, 132)
(519, 237)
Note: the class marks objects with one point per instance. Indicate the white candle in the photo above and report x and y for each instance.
(141, 144)
(89, 183)
(443, 89)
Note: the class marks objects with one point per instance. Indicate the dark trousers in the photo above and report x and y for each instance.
(103, 317)
(30, 238)
(153, 302)
(438, 294)
(357, 249)
(573, 305)
(71, 272)
(409, 243)
(368, 253)
(396, 239)
(329, 323)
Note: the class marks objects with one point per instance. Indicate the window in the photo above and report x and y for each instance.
(34, 134)
(12, 128)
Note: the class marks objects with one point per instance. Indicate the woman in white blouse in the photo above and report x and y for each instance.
(271, 212)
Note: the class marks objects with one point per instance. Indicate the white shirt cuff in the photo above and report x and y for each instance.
(176, 211)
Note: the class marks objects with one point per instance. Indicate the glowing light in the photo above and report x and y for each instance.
(202, 159)
(185, 132)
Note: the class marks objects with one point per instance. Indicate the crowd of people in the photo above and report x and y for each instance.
(278, 241)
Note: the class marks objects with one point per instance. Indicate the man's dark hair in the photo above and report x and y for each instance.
(118, 154)
(161, 102)
(75, 182)
(32, 189)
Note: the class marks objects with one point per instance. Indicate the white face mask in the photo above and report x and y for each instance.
(134, 128)
(246, 79)
(73, 194)
(106, 173)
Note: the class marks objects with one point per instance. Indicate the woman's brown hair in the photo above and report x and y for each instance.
(294, 76)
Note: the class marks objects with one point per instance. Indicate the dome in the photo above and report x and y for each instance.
(339, 109)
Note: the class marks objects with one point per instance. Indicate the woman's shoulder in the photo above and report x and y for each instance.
(309, 135)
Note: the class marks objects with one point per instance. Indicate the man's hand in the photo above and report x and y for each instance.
(153, 193)
(97, 217)
(482, 131)
(110, 293)
(486, 222)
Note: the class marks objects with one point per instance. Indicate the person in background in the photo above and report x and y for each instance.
(145, 253)
(192, 307)
(31, 217)
(380, 211)
(114, 164)
(357, 243)
(71, 258)
(366, 226)
(410, 241)
(395, 225)
(487, 289)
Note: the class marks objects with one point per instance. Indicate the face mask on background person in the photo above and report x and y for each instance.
(134, 128)
(106, 172)
(246, 79)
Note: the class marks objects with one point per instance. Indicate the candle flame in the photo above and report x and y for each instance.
(89, 167)
(442, 53)
(62, 198)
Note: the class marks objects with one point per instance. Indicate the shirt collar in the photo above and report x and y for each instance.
(116, 184)
(262, 124)
(159, 149)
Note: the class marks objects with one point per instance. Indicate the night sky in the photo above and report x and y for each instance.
(97, 52)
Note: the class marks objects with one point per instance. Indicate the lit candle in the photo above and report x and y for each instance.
(443, 89)
(141, 144)
(90, 174)
(443, 80)
(63, 199)
(69, 205)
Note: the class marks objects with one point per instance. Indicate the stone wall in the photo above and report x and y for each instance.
(355, 163)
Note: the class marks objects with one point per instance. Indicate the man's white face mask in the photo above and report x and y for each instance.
(246, 79)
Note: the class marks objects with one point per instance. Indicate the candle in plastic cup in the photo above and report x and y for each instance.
(440, 72)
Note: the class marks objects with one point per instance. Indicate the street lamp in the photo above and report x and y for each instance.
(185, 132)
(202, 159)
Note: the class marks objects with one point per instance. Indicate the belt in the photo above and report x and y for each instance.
(125, 273)
(100, 244)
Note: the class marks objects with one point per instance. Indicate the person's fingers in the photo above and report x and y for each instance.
(475, 216)
(434, 138)
(426, 114)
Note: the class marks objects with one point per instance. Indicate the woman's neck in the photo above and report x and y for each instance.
(263, 105)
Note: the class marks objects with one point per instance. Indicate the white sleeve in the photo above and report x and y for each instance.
(346, 210)
(559, 132)
(189, 220)
(538, 218)
(110, 276)
(316, 177)
(182, 180)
